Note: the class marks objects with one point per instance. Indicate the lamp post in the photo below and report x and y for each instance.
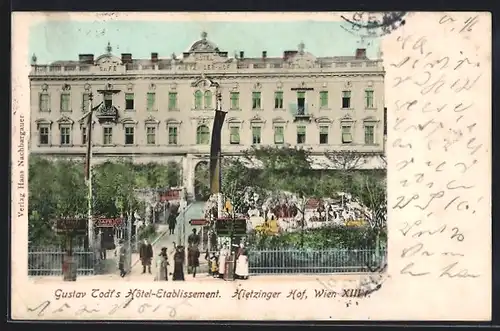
(90, 224)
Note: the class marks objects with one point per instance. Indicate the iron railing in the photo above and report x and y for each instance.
(47, 261)
(302, 261)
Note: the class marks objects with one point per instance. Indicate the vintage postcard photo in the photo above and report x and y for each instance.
(251, 166)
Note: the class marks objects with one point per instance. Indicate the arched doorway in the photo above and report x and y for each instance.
(202, 181)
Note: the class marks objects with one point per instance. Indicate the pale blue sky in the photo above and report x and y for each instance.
(64, 40)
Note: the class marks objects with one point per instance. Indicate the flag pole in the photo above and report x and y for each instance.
(90, 224)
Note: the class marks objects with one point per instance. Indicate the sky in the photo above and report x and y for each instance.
(64, 40)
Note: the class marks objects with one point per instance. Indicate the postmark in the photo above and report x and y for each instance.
(374, 24)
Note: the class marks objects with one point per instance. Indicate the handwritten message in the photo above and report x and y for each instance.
(439, 142)
(111, 302)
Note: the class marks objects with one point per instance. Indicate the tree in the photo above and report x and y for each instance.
(56, 189)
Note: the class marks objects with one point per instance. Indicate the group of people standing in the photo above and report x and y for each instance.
(162, 262)
(217, 262)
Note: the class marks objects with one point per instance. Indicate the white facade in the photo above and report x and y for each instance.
(321, 103)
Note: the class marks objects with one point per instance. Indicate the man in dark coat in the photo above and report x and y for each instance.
(172, 220)
(146, 255)
(194, 239)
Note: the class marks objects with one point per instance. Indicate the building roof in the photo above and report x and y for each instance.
(204, 45)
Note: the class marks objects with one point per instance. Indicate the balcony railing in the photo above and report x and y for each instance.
(232, 67)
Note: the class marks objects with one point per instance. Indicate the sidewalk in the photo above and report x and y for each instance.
(204, 277)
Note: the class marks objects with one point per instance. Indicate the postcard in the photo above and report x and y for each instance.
(251, 166)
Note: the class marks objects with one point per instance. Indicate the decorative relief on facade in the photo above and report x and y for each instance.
(279, 85)
(152, 87)
(65, 120)
(43, 121)
(323, 119)
(84, 123)
(348, 84)
(87, 87)
(235, 87)
(370, 119)
(130, 87)
(173, 86)
(128, 121)
(257, 86)
(66, 87)
(45, 87)
(370, 83)
(152, 120)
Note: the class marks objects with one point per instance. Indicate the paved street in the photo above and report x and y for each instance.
(194, 210)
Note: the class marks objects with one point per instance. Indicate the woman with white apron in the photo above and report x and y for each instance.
(242, 263)
(222, 261)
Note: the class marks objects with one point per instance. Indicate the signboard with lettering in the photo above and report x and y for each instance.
(198, 222)
(224, 227)
(172, 194)
(107, 222)
(71, 225)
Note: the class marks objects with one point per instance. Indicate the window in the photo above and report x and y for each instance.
(301, 103)
(323, 99)
(172, 135)
(208, 99)
(85, 102)
(65, 101)
(346, 99)
(202, 135)
(256, 135)
(369, 135)
(44, 102)
(278, 100)
(369, 99)
(151, 101)
(84, 135)
(129, 135)
(151, 135)
(256, 100)
(235, 100)
(43, 135)
(108, 100)
(107, 138)
(172, 100)
(346, 134)
(323, 135)
(301, 134)
(234, 135)
(65, 135)
(129, 101)
(197, 99)
(279, 135)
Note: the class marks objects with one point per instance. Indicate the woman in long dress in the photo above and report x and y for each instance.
(162, 265)
(179, 260)
(224, 252)
(241, 263)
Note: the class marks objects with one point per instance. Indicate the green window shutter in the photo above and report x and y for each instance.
(129, 96)
(151, 100)
(323, 130)
(198, 99)
(172, 100)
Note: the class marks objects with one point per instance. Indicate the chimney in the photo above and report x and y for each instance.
(86, 58)
(126, 58)
(264, 54)
(242, 55)
(287, 54)
(361, 53)
(154, 57)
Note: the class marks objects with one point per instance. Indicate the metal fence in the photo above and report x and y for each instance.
(45, 261)
(301, 261)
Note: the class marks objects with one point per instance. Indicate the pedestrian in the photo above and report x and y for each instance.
(146, 255)
(172, 220)
(162, 265)
(179, 258)
(194, 239)
(122, 255)
(193, 259)
(241, 263)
